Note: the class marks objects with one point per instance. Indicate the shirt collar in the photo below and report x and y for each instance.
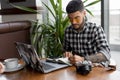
(84, 27)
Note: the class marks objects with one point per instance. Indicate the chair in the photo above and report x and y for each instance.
(11, 32)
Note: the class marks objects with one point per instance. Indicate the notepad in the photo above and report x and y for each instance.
(59, 60)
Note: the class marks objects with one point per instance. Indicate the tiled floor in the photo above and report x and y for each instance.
(116, 56)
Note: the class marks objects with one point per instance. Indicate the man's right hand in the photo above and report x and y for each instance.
(68, 54)
(73, 58)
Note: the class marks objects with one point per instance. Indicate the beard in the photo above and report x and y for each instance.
(78, 27)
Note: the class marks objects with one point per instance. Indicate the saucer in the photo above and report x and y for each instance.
(19, 67)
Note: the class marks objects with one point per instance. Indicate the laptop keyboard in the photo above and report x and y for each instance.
(47, 66)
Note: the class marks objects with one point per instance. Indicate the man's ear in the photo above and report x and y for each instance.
(84, 12)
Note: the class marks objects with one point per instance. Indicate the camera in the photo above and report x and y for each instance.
(84, 67)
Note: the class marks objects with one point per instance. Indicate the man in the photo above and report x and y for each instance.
(84, 40)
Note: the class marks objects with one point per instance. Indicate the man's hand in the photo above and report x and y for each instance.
(68, 54)
(74, 59)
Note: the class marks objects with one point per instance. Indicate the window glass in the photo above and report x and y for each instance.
(114, 22)
(96, 11)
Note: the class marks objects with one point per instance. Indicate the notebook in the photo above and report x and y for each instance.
(31, 58)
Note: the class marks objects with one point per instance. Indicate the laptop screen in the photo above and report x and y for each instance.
(29, 55)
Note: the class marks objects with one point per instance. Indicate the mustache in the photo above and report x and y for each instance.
(75, 24)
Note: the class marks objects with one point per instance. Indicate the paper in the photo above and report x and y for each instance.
(59, 60)
(112, 65)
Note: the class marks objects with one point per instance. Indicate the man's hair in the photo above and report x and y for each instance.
(75, 5)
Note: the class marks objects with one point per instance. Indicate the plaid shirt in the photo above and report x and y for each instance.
(90, 40)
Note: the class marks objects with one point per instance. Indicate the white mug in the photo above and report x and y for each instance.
(11, 63)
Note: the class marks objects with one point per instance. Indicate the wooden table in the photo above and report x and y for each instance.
(63, 74)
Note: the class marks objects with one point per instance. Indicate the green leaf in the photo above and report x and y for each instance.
(53, 5)
(92, 3)
(25, 8)
(85, 1)
(49, 9)
(89, 12)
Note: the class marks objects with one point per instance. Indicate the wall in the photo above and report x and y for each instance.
(19, 17)
(5, 4)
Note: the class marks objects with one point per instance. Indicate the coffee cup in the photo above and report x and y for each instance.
(11, 63)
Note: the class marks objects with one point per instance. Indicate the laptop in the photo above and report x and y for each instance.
(31, 58)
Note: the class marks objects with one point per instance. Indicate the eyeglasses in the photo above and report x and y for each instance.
(75, 20)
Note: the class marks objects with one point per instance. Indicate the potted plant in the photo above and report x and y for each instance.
(48, 37)
(51, 33)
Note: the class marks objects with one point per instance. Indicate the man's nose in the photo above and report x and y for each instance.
(74, 21)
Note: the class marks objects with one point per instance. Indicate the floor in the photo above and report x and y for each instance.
(116, 56)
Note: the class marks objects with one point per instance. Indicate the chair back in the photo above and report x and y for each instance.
(11, 32)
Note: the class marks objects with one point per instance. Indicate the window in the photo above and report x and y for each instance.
(114, 25)
(96, 11)
(114, 30)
